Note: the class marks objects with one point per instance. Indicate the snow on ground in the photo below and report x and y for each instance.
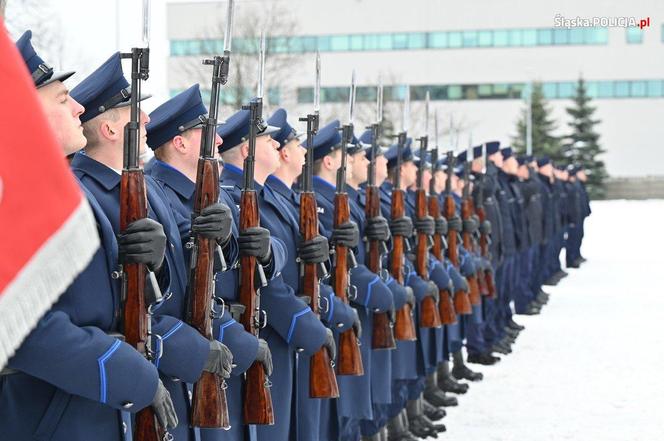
(591, 366)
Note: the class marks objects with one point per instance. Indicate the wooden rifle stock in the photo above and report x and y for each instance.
(484, 250)
(322, 379)
(383, 335)
(462, 303)
(429, 317)
(445, 306)
(404, 327)
(349, 360)
(257, 404)
(466, 213)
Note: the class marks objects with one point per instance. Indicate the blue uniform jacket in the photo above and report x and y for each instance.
(72, 377)
(185, 351)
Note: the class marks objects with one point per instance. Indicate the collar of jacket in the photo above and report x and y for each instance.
(174, 178)
(101, 173)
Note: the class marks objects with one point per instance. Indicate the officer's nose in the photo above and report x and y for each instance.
(76, 107)
(218, 140)
(145, 118)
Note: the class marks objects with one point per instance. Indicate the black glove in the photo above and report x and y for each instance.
(163, 408)
(264, 356)
(255, 241)
(220, 360)
(330, 345)
(402, 226)
(316, 250)
(469, 225)
(143, 241)
(410, 297)
(454, 223)
(441, 226)
(432, 291)
(485, 227)
(357, 324)
(377, 229)
(424, 225)
(347, 235)
(214, 222)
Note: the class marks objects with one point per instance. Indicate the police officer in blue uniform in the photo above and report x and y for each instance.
(313, 415)
(291, 325)
(545, 176)
(68, 379)
(575, 233)
(185, 352)
(174, 133)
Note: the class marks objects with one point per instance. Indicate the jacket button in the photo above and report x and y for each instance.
(127, 405)
(299, 350)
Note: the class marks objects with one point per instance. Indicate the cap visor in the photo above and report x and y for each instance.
(269, 131)
(57, 76)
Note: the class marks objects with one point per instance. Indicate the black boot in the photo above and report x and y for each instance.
(502, 348)
(397, 428)
(463, 372)
(485, 359)
(447, 383)
(418, 423)
(512, 333)
(432, 412)
(514, 325)
(436, 396)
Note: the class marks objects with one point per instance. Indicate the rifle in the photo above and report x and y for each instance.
(446, 306)
(461, 301)
(257, 405)
(466, 213)
(349, 361)
(137, 311)
(383, 335)
(209, 408)
(404, 328)
(322, 379)
(429, 317)
(489, 281)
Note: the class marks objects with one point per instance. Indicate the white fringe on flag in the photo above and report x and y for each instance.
(45, 277)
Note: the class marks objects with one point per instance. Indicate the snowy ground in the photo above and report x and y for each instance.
(591, 366)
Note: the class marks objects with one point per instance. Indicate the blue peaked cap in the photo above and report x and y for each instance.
(42, 74)
(104, 89)
(544, 160)
(506, 152)
(366, 139)
(182, 112)
(406, 153)
(326, 140)
(235, 130)
(286, 132)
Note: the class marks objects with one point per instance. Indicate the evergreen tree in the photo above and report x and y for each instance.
(543, 126)
(582, 146)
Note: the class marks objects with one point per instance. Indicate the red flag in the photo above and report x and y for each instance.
(47, 230)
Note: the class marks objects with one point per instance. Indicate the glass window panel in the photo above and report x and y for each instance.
(566, 89)
(177, 48)
(193, 47)
(309, 44)
(577, 35)
(605, 89)
(602, 35)
(515, 37)
(638, 88)
(485, 38)
(356, 42)
(634, 35)
(399, 41)
(305, 95)
(470, 39)
(529, 37)
(469, 91)
(365, 94)
(500, 38)
(454, 92)
(370, 42)
(500, 90)
(278, 45)
(561, 36)
(438, 93)
(296, 44)
(517, 90)
(485, 91)
(592, 89)
(454, 39)
(418, 93)
(324, 43)
(550, 90)
(654, 88)
(385, 42)
(417, 40)
(439, 39)
(273, 96)
(621, 89)
(339, 43)
(544, 37)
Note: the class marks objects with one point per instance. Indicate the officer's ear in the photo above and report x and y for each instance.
(244, 150)
(178, 143)
(107, 130)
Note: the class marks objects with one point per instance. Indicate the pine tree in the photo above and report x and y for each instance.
(543, 126)
(582, 146)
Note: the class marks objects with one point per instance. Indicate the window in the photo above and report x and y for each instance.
(566, 89)
(634, 35)
(544, 37)
(356, 42)
(515, 37)
(470, 39)
(605, 89)
(485, 38)
(560, 36)
(655, 88)
(485, 91)
(500, 38)
(370, 42)
(438, 40)
(454, 92)
(622, 89)
(385, 42)
(417, 40)
(339, 43)
(305, 95)
(273, 96)
(577, 36)
(454, 39)
(400, 41)
(592, 89)
(529, 37)
(638, 89)
(550, 90)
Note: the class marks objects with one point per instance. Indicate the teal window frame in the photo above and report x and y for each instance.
(633, 35)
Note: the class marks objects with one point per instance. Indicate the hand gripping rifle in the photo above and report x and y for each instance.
(257, 405)
(383, 335)
(137, 312)
(466, 213)
(349, 361)
(322, 379)
(429, 317)
(404, 327)
(446, 305)
(461, 301)
(209, 408)
(485, 240)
